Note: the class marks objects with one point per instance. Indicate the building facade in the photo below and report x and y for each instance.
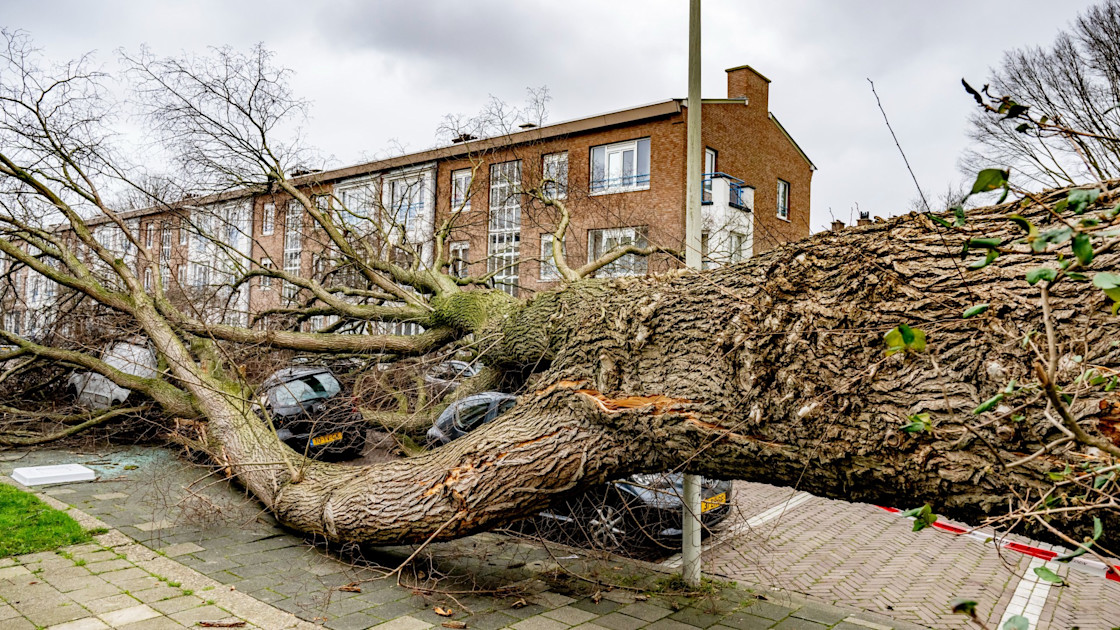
(620, 176)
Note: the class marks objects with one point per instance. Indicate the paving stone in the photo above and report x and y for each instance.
(155, 623)
(353, 621)
(696, 617)
(827, 615)
(619, 621)
(743, 621)
(553, 600)
(768, 610)
(601, 607)
(8, 573)
(646, 611)
(89, 623)
(176, 604)
(132, 614)
(570, 615)
(175, 550)
(54, 613)
(540, 622)
(795, 623)
(95, 556)
(8, 612)
(156, 594)
(56, 492)
(150, 526)
(670, 624)
(107, 604)
(94, 589)
(19, 623)
(110, 496)
(108, 566)
(490, 621)
(403, 623)
(192, 616)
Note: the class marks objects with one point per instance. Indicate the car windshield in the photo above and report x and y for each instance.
(304, 390)
(468, 417)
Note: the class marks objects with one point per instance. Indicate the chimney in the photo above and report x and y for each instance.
(864, 217)
(746, 82)
(837, 225)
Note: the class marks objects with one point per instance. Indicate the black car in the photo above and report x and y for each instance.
(311, 414)
(641, 509)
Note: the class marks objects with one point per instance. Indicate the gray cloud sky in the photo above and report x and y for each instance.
(385, 72)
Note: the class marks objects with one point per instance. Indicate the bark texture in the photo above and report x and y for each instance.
(772, 370)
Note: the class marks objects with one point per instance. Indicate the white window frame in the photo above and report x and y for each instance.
(406, 194)
(611, 174)
(268, 219)
(783, 199)
(549, 272)
(184, 230)
(554, 166)
(461, 190)
(458, 254)
(293, 249)
(628, 265)
(504, 235)
(147, 278)
(165, 254)
(149, 235)
(710, 158)
(266, 281)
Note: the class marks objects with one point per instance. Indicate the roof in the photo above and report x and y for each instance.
(792, 141)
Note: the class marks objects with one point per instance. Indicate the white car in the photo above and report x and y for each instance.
(96, 391)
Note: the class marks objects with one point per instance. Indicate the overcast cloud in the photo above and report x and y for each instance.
(385, 73)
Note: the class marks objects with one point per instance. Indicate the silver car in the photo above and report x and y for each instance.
(95, 391)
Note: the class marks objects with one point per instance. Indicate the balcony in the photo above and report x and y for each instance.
(728, 219)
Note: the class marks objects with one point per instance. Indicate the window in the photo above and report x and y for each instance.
(13, 322)
(268, 219)
(505, 225)
(149, 235)
(406, 201)
(183, 232)
(783, 199)
(600, 242)
(165, 254)
(620, 167)
(293, 248)
(266, 281)
(181, 275)
(459, 253)
(548, 263)
(147, 278)
(709, 172)
(738, 247)
(461, 190)
(555, 173)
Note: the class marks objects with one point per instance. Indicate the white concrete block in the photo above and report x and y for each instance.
(60, 473)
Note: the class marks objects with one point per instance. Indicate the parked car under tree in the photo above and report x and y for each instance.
(311, 414)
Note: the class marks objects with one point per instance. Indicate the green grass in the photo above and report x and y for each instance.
(27, 525)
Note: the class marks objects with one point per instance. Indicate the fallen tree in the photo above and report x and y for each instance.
(869, 364)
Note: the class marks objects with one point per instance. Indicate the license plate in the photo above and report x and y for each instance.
(713, 502)
(328, 438)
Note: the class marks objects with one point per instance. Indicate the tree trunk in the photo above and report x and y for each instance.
(772, 370)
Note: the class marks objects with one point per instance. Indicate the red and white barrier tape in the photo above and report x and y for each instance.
(1084, 563)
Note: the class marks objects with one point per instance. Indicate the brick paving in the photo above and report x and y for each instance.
(185, 547)
(858, 556)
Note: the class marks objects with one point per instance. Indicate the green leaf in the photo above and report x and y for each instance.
(1041, 273)
(964, 607)
(975, 95)
(1018, 622)
(1015, 110)
(919, 343)
(924, 518)
(988, 259)
(989, 179)
(918, 423)
(958, 212)
(1107, 280)
(940, 221)
(1048, 576)
(904, 337)
(1056, 237)
(984, 242)
(1083, 249)
(975, 310)
(1079, 277)
(1027, 226)
(1059, 476)
(1022, 127)
(988, 404)
(1081, 198)
(907, 334)
(1098, 528)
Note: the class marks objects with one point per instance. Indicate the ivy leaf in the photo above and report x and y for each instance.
(990, 179)
(1081, 198)
(1041, 273)
(1083, 249)
(1017, 622)
(918, 423)
(988, 404)
(964, 607)
(1028, 227)
(1056, 237)
(903, 337)
(907, 334)
(1048, 576)
(984, 242)
(988, 259)
(975, 310)
(958, 212)
(938, 220)
(1110, 284)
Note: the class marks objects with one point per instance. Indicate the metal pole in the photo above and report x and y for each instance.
(690, 538)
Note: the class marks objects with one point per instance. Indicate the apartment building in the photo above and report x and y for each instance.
(620, 175)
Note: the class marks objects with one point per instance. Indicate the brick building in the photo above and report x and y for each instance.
(621, 176)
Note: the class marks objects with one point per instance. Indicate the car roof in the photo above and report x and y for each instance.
(287, 375)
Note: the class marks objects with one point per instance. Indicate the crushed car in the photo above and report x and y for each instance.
(96, 391)
(445, 377)
(311, 413)
(642, 509)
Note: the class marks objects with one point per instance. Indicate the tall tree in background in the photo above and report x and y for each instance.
(1072, 85)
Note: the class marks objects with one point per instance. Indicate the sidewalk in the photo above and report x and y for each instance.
(186, 549)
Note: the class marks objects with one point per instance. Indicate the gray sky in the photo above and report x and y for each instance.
(385, 73)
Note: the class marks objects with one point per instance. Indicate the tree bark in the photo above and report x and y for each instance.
(772, 370)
